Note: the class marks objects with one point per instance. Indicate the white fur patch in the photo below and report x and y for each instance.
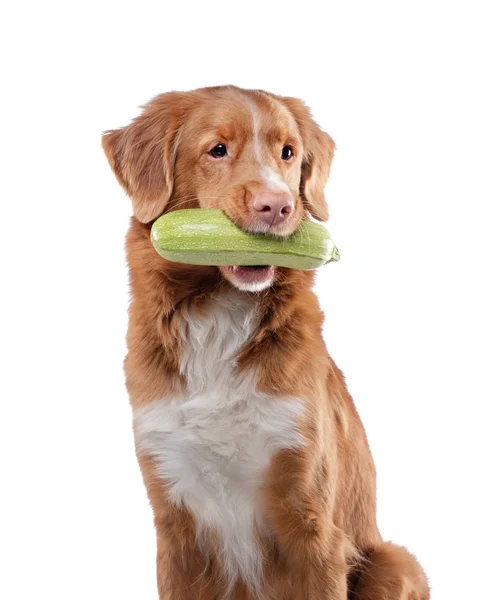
(273, 180)
(213, 445)
(256, 142)
(254, 286)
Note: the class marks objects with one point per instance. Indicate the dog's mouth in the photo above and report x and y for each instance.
(250, 279)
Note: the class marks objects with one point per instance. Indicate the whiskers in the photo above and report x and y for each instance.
(185, 200)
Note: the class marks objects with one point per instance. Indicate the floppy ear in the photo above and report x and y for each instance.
(142, 155)
(318, 151)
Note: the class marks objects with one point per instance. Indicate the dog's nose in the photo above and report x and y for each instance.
(273, 207)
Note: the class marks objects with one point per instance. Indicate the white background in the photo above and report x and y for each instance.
(398, 87)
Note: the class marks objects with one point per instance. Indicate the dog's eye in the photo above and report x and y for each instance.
(286, 153)
(218, 151)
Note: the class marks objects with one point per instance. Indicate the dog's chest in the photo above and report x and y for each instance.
(213, 445)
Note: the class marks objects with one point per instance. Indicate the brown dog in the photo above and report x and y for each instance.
(254, 457)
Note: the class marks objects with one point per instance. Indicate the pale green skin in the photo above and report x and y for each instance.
(198, 236)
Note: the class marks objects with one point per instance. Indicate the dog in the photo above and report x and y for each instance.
(254, 458)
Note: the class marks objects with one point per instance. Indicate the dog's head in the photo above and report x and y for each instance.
(258, 157)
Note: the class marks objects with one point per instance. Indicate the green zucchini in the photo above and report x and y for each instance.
(208, 237)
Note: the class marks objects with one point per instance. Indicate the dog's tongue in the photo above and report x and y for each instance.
(252, 274)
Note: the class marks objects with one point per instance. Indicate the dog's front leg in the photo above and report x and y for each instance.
(319, 571)
(316, 561)
(312, 546)
(184, 572)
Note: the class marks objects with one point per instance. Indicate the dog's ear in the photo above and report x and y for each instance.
(318, 151)
(142, 155)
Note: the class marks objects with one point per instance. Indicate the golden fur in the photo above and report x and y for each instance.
(320, 500)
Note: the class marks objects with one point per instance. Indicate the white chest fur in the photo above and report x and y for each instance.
(213, 445)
